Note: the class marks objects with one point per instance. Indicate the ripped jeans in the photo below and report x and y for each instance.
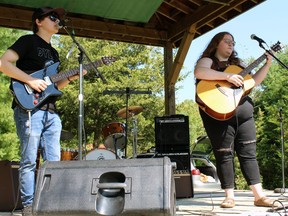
(230, 137)
(42, 130)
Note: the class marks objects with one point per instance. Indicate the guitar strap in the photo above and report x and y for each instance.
(50, 107)
(219, 65)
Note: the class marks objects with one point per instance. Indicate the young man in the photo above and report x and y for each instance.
(41, 127)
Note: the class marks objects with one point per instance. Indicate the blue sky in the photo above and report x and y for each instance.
(268, 20)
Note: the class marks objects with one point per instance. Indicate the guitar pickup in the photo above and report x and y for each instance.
(47, 80)
(28, 89)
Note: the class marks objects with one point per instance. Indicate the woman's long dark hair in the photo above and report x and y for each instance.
(212, 46)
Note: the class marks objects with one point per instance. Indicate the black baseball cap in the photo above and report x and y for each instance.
(41, 12)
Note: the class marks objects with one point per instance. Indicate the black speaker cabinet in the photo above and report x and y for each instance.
(182, 161)
(9, 186)
(172, 134)
(106, 187)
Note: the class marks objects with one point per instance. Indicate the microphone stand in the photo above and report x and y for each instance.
(283, 189)
(127, 92)
(81, 95)
(268, 51)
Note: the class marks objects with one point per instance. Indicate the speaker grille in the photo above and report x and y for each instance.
(172, 134)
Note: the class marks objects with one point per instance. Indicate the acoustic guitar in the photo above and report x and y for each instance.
(219, 98)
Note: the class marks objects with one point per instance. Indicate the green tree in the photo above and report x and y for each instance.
(137, 68)
(270, 98)
(196, 129)
(9, 143)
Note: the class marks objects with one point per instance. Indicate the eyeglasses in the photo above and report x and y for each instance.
(229, 42)
(53, 18)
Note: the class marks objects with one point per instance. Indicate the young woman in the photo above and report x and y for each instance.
(238, 133)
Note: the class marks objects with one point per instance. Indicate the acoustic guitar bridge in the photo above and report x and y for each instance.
(221, 89)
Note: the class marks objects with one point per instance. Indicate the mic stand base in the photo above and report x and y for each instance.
(280, 190)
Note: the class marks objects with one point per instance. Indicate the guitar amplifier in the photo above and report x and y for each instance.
(184, 185)
(182, 174)
(172, 134)
(9, 186)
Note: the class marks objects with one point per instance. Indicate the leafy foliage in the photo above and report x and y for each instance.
(190, 108)
(9, 143)
(271, 102)
(138, 69)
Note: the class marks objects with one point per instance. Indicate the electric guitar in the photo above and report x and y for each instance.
(219, 98)
(30, 99)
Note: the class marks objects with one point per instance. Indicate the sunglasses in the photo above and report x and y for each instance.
(53, 18)
(228, 41)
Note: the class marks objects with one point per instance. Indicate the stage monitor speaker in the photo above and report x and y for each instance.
(9, 186)
(172, 134)
(106, 187)
(182, 174)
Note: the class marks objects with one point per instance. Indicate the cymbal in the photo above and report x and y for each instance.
(132, 110)
(66, 135)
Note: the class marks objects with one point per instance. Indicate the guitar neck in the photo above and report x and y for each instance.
(248, 69)
(74, 71)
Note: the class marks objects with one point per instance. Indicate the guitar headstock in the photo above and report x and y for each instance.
(108, 60)
(276, 47)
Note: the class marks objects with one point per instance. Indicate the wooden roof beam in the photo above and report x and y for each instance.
(181, 55)
(166, 13)
(179, 6)
(196, 2)
(210, 10)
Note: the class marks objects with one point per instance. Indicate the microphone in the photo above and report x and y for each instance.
(62, 23)
(254, 37)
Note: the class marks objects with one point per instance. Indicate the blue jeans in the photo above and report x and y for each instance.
(42, 130)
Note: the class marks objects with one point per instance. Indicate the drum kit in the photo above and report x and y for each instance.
(115, 138)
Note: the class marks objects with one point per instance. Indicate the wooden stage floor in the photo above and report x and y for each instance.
(207, 203)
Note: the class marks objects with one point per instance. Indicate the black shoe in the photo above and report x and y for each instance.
(27, 211)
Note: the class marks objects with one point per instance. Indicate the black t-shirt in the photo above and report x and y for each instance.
(34, 54)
